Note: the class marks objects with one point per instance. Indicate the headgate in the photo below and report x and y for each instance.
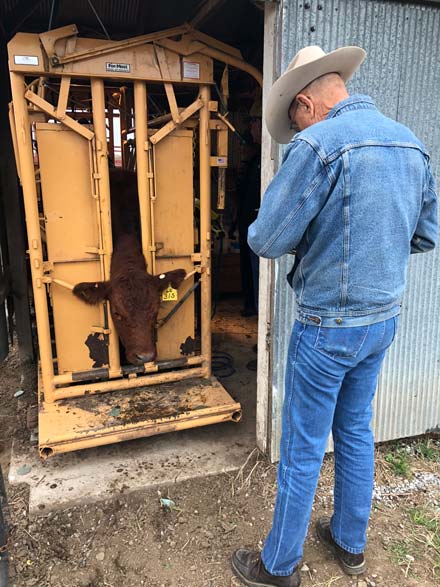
(80, 105)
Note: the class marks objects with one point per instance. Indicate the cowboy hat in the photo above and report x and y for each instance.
(307, 65)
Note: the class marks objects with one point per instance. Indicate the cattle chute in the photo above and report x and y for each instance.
(67, 93)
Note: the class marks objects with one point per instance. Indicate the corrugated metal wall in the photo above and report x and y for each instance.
(402, 74)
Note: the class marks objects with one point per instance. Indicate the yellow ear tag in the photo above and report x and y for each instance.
(169, 294)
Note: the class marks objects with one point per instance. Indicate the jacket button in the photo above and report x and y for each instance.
(338, 320)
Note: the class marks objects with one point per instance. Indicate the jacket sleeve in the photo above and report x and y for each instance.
(425, 236)
(292, 200)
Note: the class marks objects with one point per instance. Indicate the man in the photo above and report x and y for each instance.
(353, 198)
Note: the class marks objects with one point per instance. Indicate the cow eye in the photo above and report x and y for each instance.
(117, 316)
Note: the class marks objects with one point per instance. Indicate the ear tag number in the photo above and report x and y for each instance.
(169, 294)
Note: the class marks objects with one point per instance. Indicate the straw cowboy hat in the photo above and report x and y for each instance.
(307, 65)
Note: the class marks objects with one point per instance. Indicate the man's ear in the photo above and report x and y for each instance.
(92, 292)
(174, 278)
(304, 101)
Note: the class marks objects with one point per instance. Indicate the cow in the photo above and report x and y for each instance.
(133, 293)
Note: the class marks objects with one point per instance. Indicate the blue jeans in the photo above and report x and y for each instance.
(331, 378)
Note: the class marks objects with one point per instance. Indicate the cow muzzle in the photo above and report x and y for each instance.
(141, 358)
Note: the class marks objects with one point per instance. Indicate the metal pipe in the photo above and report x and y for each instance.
(73, 376)
(142, 168)
(153, 192)
(205, 225)
(121, 45)
(234, 61)
(25, 157)
(98, 105)
(120, 384)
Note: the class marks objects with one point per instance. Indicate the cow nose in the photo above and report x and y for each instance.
(145, 357)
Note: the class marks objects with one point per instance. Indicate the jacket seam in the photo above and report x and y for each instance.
(348, 313)
(322, 158)
(304, 199)
(332, 157)
(345, 234)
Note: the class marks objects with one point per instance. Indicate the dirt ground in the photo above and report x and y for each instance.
(136, 540)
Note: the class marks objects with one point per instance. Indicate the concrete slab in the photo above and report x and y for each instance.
(99, 473)
(96, 474)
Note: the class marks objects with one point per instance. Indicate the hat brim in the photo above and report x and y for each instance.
(344, 61)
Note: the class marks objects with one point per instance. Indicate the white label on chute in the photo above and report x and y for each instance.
(191, 70)
(118, 67)
(25, 60)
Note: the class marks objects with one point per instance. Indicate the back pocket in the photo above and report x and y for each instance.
(341, 342)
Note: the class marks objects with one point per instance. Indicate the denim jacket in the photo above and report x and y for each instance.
(353, 198)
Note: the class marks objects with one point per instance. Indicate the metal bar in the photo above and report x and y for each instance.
(152, 184)
(235, 62)
(58, 282)
(64, 119)
(171, 313)
(14, 138)
(172, 102)
(98, 105)
(119, 384)
(25, 153)
(98, 19)
(143, 168)
(213, 42)
(171, 125)
(205, 225)
(120, 45)
(63, 96)
(94, 190)
(189, 419)
(147, 368)
(13, 215)
(111, 138)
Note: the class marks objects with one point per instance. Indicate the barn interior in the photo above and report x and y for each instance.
(238, 23)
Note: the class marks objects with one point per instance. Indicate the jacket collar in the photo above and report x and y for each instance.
(355, 102)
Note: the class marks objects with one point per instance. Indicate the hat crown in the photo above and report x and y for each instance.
(306, 55)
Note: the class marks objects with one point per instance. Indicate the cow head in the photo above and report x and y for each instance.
(134, 304)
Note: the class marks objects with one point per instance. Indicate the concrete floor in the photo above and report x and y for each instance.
(99, 473)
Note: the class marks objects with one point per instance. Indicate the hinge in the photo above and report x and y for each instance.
(47, 266)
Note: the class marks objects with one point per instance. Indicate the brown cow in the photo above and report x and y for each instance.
(133, 293)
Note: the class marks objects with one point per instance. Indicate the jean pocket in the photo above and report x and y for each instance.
(341, 342)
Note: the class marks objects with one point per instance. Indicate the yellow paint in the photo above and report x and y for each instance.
(69, 223)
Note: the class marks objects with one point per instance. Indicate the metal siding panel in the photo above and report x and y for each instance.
(401, 73)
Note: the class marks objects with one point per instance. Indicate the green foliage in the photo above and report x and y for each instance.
(428, 449)
(399, 462)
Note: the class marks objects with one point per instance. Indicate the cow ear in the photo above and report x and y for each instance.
(173, 278)
(92, 292)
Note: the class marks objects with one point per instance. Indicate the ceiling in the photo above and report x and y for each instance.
(236, 22)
